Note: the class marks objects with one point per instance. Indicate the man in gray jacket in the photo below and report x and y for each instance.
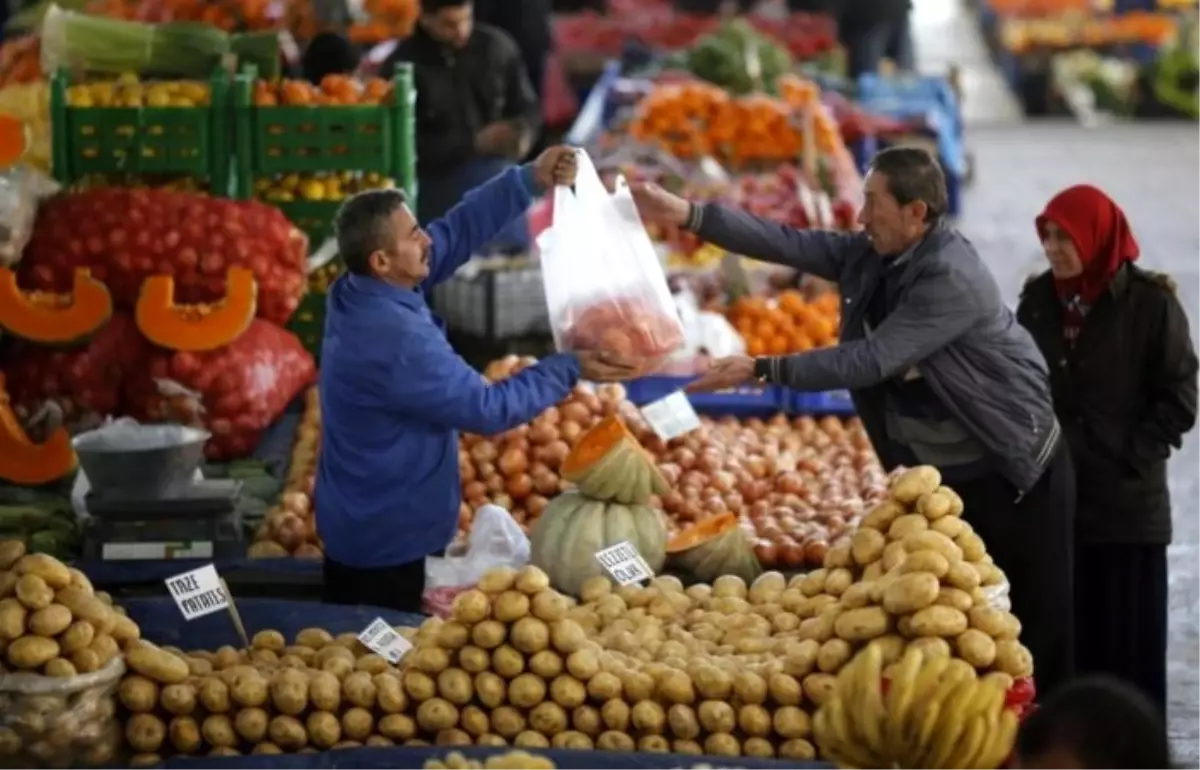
(940, 373)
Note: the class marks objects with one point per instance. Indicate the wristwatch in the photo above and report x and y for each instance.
(762, 369)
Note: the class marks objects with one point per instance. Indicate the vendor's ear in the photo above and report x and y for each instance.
(378, 261)
(916, 212)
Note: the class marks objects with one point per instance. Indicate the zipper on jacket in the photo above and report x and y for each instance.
(1044, 454)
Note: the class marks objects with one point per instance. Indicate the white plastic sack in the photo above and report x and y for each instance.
(704, 331)
(998, 596)
(605, 287)
(496, 540)
(126, 433)
(22, 190)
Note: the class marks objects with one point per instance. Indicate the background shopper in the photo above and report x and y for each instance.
(1123, 374)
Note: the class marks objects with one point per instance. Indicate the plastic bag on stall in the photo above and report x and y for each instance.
(125, 434)
(62, 721)
(21, 190)
(496, 540)
(998, 596)
(605, 287)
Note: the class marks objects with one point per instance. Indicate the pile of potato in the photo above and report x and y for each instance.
(514, 760)
(319, 692)
(61, 644)
(914, 575)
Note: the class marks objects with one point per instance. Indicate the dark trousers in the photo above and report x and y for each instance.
(1121, 614)
(1033, 542)
(396, 588)
(867, 46)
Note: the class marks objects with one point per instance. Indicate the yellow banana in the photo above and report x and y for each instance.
(928, 681)
(967, 748)
(843, 747)
(900, 698)
(871, 714)
(928, 721)
(1000, 741)
(970, 698)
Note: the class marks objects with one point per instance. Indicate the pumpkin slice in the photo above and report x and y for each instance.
(609, 464)
(54, 319)
(26, 463)
(194, 328)
(711, 548)
(573, 527)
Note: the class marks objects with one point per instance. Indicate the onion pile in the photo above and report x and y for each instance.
(797, 485)
(518, 470)
(289, 528)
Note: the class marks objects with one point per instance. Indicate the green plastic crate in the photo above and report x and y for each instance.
(195, 141)
(308, 322)
(273, 140)
(315, 218)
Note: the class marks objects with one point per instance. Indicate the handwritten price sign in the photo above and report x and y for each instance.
(624, 563)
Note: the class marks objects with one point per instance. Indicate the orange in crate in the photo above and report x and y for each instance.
(788, 324)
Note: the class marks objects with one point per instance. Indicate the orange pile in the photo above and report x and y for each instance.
(800, 95)
(334, 89)
(693, 120)
(296, 16)
(787, 324)
(386, 19)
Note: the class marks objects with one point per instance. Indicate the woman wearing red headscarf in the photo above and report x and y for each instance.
(1123, 376)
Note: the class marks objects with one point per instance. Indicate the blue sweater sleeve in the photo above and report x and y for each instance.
(436, 385)
(477, 219)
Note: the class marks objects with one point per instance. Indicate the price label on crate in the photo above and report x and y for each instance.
(382, 639)
(624, 563)
(671, 416)
(198, 593)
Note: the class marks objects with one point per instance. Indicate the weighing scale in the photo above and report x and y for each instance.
(200, 521)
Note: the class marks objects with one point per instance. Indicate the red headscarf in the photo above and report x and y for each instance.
(1101, 234)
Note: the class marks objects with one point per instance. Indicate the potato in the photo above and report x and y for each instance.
(615, 715)
(324, 729)
(931, 646)
(185, 735)
(910, 592)
(11, 550)
(797, 748)
(60, 668)
(962, 576)
(925, 561)
(213, 695)
(531, 580)
(833, 655)
(976, 648)
(867, 545)
(85, 661)
(251, 724)
(882, 515)
(818, 687)
(269, 639)
(934, 505)
(85, 606)
(722, 745)
(488, 634)
(454, 685)
(800, 658)
(510, 606)
(956, 598)
(314, 638)
(217, 731)
(198, 666)
(908, 487)
(547, 664)
(455, 737)
(790, 722)
(933, 541)
(863, 624)
(971, 545)
(891, 647)
(150, 661)
(548, 718)
(224, 751)
(1013, 658)
(247, 687)
(30, 652)
(611, 740)
(389, 693)
(178, 699)
(837, 581)
(398, 727)
(306, 654)
(106, 648)
(497, 580)
(938, 621)
(289, 691)
(145, 732)
(12, 619)
(358, 689)
(526, 691)
(32, 591)
(906, 526)
(583, 664)
(287, 733)
(997, 624)
(530, 635)
(55, 574)
(567, 636)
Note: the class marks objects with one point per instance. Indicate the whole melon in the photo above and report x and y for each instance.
(573, 527)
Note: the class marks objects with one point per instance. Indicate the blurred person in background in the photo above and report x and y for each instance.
(1123, 375)
(1096, 722)
(328, 54)
(528, 23)
(874, 30)
(939, 370)
(477, 113)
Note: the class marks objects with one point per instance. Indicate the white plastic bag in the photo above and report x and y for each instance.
(605, 287)
(998, 596)
(22, 189)
(496, 540)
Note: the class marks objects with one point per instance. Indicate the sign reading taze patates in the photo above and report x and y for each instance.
(624, 563)
(198, 593)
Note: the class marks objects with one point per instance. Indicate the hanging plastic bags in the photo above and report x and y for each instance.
(605, 288)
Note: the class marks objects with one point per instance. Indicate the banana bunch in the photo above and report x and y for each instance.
(936, 714)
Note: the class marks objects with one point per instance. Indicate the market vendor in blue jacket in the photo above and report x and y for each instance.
(394, 394)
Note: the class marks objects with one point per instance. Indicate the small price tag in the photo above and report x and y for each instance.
(198, 593)
(624, 563)
(381, 638)
(671, 416)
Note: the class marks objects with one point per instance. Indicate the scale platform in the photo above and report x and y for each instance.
(200, 523)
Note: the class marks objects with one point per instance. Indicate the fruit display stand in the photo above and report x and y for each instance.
(171, 129)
